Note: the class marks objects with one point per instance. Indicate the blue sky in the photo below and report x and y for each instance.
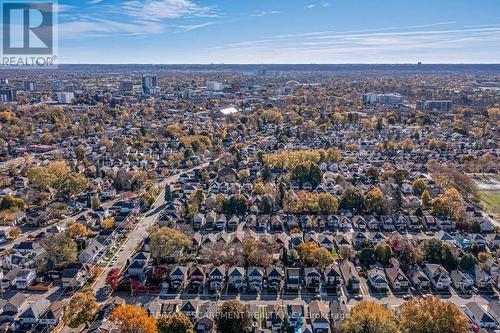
(279, 31)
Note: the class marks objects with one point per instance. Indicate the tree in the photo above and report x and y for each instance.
(307, 172)
(80, 153)
(367, 256)
(467, 262)
(352, 199)
(383, 253)
(113, 278)
(14, 232)
(233, 317)
(345, 252)
(433, 249)
(177, 322)
(374, 201)
(61, 249)
(75, 230)
(400, 176)
(369, 317)
(133, 319)
(418, 186)
(431, 314)
(165, 241)
(81, 309)
(236, 204)
(313, 255)
(12, 203)
(450, 204)
(426, 198)
(108, 223)
(372, 174)
(327, 203)
(448, 257)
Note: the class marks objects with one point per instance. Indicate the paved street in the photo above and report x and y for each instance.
(137, 235)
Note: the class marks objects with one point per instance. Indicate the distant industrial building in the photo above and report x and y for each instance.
(8, 95)
(442, 105)
(394, 99)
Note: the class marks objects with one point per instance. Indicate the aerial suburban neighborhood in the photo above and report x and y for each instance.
(265, 199)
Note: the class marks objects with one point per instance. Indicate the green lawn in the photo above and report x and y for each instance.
(491, 202)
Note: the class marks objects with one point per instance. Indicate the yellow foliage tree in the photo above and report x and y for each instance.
(133, 319)
(431, 314)
(371, 318)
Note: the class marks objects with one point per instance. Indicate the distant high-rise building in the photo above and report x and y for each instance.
(395, 99)
(440, 105)
(29, 85)
(4, 81)
(65, 97)
(8, 95)
(150, 84)
(56, 85)
(126, 85)
(214, 86)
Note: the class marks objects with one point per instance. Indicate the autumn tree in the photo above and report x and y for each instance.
(352, 199)
(165, 241)
(369, 317)
(450, 204)
(313, 255)
(418, 186)
(400, 176)
(374, 201)
(383, 253)
(327, 203)
(113, 278)
(108, 223)
(426, 198)
(81, 309)
(14, 232)
(233, 317)
(176, 322)
(431, 314)
(133, 319)
(61, 249)
(12, 203)
(75, 230)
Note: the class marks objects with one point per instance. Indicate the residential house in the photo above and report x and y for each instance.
(178, 277)
(255, 278)
(236, 278)
(319, 312)
(438, 276)
(216, 276)
(377, 279)
(350, 275)
(419, 279)
(479, 316)
(34, 311)
(274, 277)
(397, 279)
(460, 280)
(293, 281)
(312, 278)
(24, 278)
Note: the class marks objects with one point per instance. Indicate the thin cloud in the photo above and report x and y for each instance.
(156, 10)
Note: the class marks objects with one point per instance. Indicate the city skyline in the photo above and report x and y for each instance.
(208, 31)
